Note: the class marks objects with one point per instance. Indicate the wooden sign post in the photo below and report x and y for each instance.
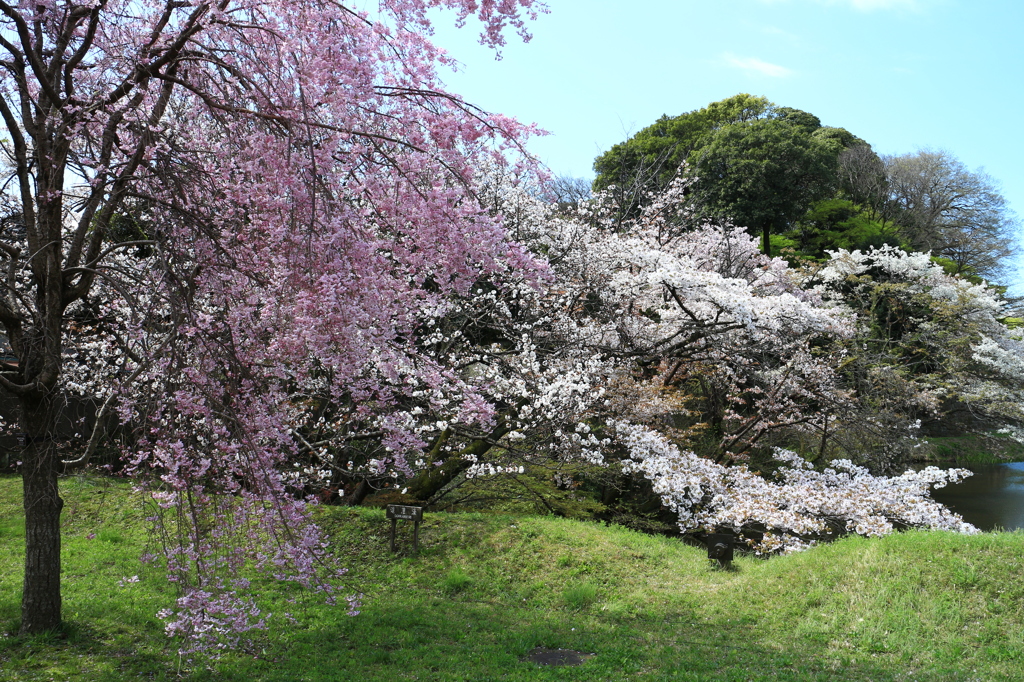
(402, 511)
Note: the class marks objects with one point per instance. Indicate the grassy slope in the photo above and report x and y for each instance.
(486, 589)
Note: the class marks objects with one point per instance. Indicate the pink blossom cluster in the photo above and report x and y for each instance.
(308, 185)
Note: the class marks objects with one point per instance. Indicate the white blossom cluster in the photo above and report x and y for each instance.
(956, 324)
(488, 469)
(800, 507)
(704, 302)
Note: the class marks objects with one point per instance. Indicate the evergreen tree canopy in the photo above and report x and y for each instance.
(758, 165)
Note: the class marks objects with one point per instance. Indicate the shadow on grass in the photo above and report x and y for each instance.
(79, 650)
(415, 635)
(445, 640)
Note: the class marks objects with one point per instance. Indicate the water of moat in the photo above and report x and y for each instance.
(993, 498)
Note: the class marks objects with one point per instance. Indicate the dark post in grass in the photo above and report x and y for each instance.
(402, 511)
(720, 548)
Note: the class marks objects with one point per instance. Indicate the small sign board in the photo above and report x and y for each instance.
(405, 512)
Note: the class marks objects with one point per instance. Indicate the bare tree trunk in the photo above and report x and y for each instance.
(431, 480)
(41, 601)
(425, 485)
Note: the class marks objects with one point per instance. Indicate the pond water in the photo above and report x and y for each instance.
(992, 498)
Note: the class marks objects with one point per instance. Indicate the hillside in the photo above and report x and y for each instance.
(486, 589)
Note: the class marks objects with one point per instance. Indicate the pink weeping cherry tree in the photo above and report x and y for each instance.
(301, 186)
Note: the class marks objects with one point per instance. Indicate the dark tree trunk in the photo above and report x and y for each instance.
(40, 603)
(362, 489)
(429, 482)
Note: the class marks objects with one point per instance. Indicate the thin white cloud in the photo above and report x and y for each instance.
(755, 65)
(778, 32)
(868, 5)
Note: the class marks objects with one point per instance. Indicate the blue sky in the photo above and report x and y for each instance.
(901, 74)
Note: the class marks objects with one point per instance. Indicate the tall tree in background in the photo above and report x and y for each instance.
(300, 159)
(647, 162)
(758, 165)
(763, 175)
(953, 212)
(862, 178)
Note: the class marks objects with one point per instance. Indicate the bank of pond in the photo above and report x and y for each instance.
(991, 499)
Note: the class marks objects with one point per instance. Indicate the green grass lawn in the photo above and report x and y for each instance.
(486, 589)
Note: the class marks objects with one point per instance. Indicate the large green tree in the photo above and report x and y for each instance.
(764, 174)
(758, 164)
(649, 160)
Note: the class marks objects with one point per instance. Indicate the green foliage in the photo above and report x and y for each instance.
(655, 153)
(132, 225)
(783, 244)
(127, 227)
(835, 223)
(973, 448)
(759, 165)
(763, 174)
(836, 139)
(803, 120)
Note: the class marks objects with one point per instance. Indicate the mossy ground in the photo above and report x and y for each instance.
(485, 589)
(971, 449)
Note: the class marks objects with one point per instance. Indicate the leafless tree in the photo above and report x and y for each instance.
(956, 213)
(862, 176)
(568, 191)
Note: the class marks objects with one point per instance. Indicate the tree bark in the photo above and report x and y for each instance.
(362, 489)
(429, 482)
(41, 600)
